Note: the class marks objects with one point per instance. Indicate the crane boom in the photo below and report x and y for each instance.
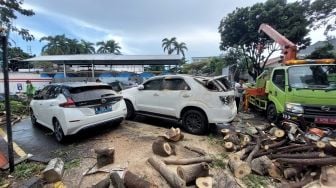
(289, 49)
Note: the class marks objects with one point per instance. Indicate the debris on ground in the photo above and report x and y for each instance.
(54, 171)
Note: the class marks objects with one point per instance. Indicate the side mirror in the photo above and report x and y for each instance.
(141, 87)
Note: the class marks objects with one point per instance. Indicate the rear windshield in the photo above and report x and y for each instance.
(221, 84)
(86, 93)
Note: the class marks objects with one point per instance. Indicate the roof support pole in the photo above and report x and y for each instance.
(92, 70)
(64, 73)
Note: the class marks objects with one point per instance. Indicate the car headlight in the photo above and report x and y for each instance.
(294, 107)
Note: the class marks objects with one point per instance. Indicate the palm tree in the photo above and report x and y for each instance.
(56, 45)
(180, 48)
(168, 45)
(87, 47)
(109, 46)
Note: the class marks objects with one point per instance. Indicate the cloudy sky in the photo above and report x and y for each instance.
(138, 25)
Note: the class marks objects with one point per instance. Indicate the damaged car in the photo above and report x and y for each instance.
(195, 101)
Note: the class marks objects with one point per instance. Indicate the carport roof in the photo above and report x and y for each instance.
(109, 59)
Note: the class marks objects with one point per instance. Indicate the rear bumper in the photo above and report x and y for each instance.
(222, 115)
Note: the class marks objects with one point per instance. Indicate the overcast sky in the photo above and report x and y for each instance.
(138, 25)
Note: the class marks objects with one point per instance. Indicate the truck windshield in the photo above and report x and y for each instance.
(313, 77)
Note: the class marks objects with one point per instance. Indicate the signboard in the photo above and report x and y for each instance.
(19, 86)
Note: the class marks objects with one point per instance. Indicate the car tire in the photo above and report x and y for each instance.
(58, 131)
(195, 122)
(33, 118)
(130, 110)
(271, 113)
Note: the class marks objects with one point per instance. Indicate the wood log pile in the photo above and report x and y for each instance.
(285, 153)
(14, 119)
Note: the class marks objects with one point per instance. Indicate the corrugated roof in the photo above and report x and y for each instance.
(109, 59)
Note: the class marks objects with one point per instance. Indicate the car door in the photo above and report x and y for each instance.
(147, 99)
(49, 105)
(277, 93)
(37, 104)
(175, 92)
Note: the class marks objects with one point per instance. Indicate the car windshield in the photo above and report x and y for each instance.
(313, 77)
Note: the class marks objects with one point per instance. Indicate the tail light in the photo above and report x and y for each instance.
(68, 104)
(226, 99)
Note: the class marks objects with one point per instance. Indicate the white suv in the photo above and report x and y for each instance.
(69, 107)
(197, 101)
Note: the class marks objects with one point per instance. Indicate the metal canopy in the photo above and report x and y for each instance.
(109, 59)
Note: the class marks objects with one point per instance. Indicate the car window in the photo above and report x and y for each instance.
(153, 84)
(86, 93)
(279, 78)
(43, 94)
(175, 84)
(53, 92)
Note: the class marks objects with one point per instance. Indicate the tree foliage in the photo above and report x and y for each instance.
(110, 46)
(239, 30)
(172, 45)
(323, 52)
(8, 12)
(323, 14)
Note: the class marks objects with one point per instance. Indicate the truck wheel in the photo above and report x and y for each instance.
(195, 122)
(130, 110)
(271, 113)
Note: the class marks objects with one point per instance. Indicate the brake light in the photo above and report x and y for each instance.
(68, 104)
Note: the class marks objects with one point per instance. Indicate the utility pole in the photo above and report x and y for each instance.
(4, 43)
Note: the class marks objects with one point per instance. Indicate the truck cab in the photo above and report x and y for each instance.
(306, 91)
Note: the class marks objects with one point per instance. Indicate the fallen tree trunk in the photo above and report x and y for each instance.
(133, 181)
(311, 162)
(254, 151)
(275, 145)
(162, 148)
(239, 168)
(189, 173)
(298, 155)
(188, 161)
(196, 150)
(170, 176)
(299, 149)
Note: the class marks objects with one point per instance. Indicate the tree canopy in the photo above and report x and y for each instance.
(324, 52)
(239, 30)
(110, 46)
(9, 11)
(172, 45)
(323, 14)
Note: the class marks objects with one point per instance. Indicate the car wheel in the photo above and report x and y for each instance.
(58, 131)
(271, 113)
(195, 122)
(130, 110)
(33, 118)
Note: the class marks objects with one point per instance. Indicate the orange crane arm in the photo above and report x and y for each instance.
(289, 49)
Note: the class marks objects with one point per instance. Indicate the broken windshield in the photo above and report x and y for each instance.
(313, 77)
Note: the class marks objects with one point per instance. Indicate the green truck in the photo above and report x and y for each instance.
(296, 92)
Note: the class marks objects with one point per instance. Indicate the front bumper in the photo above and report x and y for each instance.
(304, 118)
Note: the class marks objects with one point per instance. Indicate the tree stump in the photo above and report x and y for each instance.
(189, 173)
(239, 168)
(229, 146)
(204, 182)
(54, 170)
(279, 133)
(232, 137)
(105, 156)
(225, 132)
(162, 148)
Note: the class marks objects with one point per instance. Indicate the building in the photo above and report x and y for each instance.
(200, 59)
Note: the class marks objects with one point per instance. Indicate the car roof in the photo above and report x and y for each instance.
(180, 76)
(79, 84)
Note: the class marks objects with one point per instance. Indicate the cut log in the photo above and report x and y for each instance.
(298, 155)
(298, 149)
(225, 132)
(196, 150)
(261, 165)
(116, 181)
(162, 148)
(173, 134)
(54, 170)
(204, 182)
(275, 145)
(274, 172)
(279, 133)
(239, 168)
(105, 156)
(310, 162)
(320, 144)
(329, 149)
(292, 172)
(170, 176)
(188, 160)
(132, 180)
(189, 173)
(232, 138)
(229, 146)
(254, 151)
(328, 176)
(332, 143)
(102, 183)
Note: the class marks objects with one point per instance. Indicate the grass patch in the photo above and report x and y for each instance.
(214, 140)
(72, 164)
(255, 181)
(27, 170)
(218, 161)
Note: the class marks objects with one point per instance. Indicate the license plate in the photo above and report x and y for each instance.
(325, 120)
(103, 109)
